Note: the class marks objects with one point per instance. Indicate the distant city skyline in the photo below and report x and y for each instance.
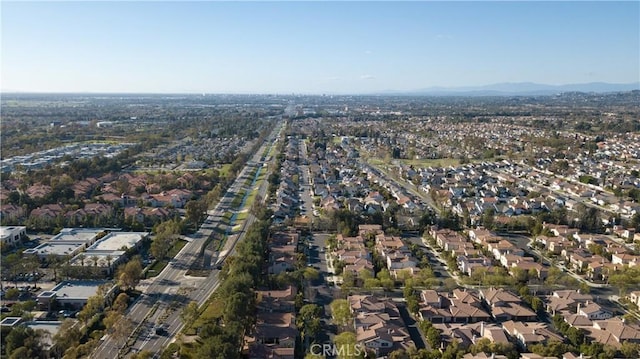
(313, 47)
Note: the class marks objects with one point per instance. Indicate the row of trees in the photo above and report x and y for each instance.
(74, 339)
(102, 314)
(241, 275)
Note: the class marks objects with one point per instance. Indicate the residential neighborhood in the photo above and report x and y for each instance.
(350, 228)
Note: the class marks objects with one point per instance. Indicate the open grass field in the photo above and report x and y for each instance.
(211, 312)
(224, 169)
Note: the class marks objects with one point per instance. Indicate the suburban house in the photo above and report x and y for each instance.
(526, 334)
(506, 306)
(378, 324)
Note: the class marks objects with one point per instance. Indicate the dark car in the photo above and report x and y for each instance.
(160, 330)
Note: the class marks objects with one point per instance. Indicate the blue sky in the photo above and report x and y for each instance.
(313, 47)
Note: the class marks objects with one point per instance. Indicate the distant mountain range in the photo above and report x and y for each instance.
(519, 88)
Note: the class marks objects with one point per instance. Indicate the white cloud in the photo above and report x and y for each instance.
(367, 77)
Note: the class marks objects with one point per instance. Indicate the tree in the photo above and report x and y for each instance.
(588, 218)
(348, 279)
(385, 279)
(129, 274)
(404, 275)
(347, 347)
(95, 305)
(635, 221)
(12, 294)
(21, 353)
(520, 274)
(364, 274)
(452, 351)
(488, 219)
(371, 283)
(311, 274)
(111, 318)
(190, 313)
(195, 211)
(450, 284)
(413, 304)
(576, 336)
(536, 304)
(24, 337)
(630, 350)
(553, 348)
(341, 312)
(12, 266)
(121, 303)
(308, 321)
(145, 354)
(433, 337)
(120, 326)
(67, 336)
(54, 262)
(217, 344)
(481, 346)
(237, 308)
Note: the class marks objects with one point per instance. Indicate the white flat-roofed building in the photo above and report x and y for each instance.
(12, 235)
(57, 248)
(109, 251)
(72, 294)
(77, 234)
(69, 242)
(119, 241)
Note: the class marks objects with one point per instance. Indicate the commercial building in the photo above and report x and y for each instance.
(11, 236)
(72, 294)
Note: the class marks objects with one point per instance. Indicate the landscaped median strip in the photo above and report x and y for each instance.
(134, 335)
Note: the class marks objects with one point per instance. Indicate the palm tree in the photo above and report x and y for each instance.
(95, 260)
(81, 257)
(54, 262)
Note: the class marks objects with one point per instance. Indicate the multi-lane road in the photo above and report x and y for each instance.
(164, 297)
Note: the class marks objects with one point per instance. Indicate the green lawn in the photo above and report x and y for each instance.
(241, 216)
(251, 197)
(226, 217)
(224, 169)
(237, 200)
(212, 311)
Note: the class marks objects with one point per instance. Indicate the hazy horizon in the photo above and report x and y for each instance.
(313, 47)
